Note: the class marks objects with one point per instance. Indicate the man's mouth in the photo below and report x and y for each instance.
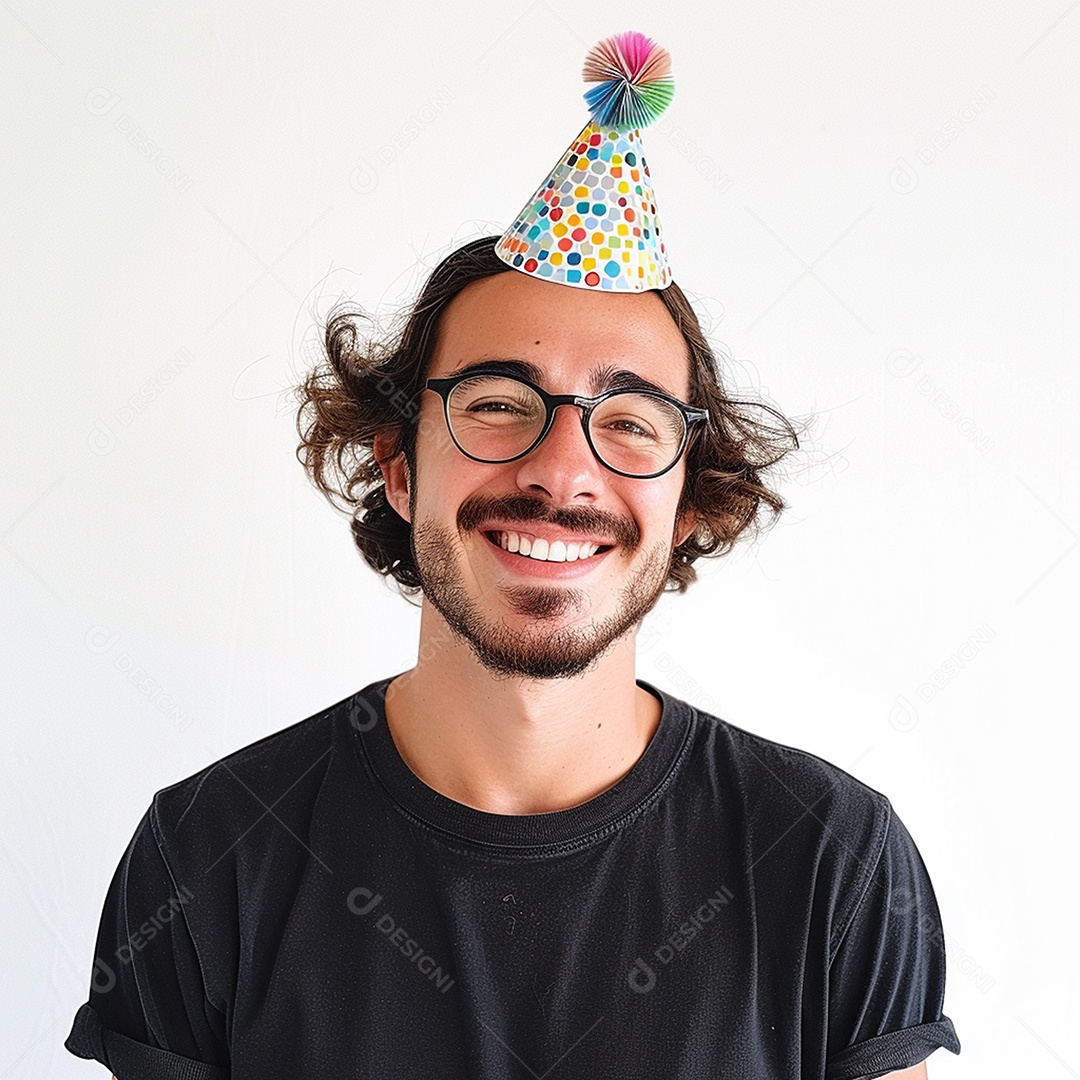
(533, 547)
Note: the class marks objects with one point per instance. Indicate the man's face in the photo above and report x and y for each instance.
(521, 615)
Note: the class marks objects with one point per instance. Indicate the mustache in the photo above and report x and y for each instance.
(519, 507)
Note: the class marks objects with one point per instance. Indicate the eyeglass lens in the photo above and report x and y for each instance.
(496, 418)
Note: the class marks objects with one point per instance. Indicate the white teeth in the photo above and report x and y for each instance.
(556, 551)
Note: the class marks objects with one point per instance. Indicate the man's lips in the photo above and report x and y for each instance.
(554, 549)
(547, 559)
(523, 513)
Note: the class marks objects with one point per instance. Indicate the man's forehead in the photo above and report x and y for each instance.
(544, 332)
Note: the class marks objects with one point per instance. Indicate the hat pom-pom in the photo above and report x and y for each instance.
(635, 84)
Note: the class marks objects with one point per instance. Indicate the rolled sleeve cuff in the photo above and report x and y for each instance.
(892, 1051)
(131, 1060)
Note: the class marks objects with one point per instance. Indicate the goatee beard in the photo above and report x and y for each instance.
(536, 652)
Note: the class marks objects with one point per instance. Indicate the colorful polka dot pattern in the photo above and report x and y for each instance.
(592, 223)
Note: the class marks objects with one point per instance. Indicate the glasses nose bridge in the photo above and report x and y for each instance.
(583, 404)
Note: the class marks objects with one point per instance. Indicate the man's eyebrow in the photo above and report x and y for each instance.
(610, 377)
(606, 377)
(501, 366)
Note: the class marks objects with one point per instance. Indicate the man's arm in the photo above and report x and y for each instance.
(886, 979)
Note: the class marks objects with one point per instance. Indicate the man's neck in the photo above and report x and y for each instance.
(519, 746)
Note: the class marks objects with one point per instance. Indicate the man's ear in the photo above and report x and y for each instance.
(684, 526)
(395, 474)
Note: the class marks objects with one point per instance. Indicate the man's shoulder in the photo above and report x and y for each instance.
(801, 770)
(781, 787)
(277, 773)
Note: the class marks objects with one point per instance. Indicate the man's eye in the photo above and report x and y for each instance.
(629, 426)
(497, 406)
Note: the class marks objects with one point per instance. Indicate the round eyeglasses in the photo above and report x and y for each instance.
(497, 418)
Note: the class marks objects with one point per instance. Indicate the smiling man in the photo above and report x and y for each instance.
(515, 859)
(530, 652)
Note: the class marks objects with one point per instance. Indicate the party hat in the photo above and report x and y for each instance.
(592, 223)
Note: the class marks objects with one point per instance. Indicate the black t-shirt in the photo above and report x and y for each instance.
(308, 907)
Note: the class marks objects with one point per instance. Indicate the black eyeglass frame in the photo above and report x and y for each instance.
(691, 416)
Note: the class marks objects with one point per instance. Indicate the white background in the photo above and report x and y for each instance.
(874, 207)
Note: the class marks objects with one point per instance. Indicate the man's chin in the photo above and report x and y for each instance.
(542, 658)
(555, 644)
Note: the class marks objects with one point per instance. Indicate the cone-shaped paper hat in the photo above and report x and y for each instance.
(592, 223)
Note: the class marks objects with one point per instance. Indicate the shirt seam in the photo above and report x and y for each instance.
(157, 833)
(850, 921)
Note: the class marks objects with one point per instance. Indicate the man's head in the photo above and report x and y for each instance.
(522, 613)
(433, 518)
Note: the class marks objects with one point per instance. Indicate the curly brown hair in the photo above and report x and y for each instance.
(372, 384)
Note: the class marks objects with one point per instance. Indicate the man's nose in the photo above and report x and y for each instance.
(563, 464)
